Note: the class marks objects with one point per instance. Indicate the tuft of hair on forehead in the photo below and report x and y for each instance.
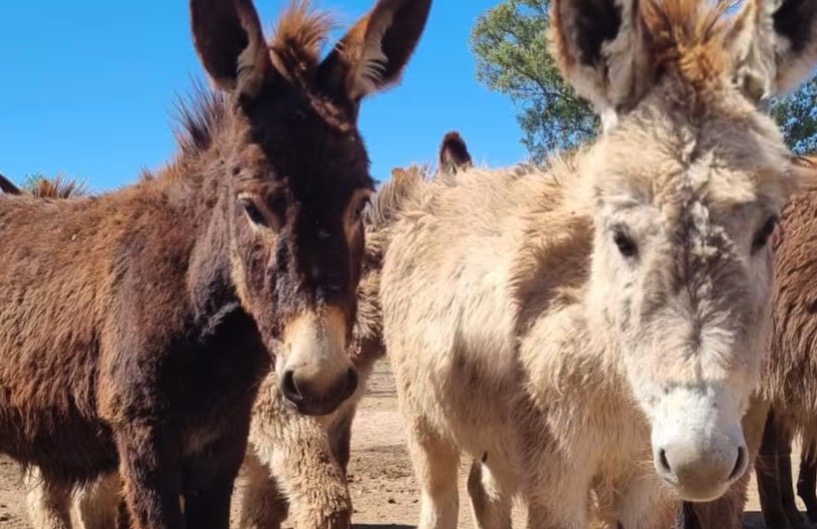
(298, 39)
(686, 37)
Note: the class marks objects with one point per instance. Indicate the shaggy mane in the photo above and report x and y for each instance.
(687, 37)
(298, 39)
(199, 118)
(59, 187)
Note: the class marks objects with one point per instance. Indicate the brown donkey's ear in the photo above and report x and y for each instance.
(372, 55)
(600, 51)
(7, 187)
(774, 45)
(454, 153)
(230, 43)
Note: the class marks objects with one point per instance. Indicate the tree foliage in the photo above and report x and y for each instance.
(510, 44)
(797, 117)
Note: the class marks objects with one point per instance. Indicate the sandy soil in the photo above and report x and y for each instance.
(381, 479)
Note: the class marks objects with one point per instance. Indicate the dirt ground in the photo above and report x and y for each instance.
(381, 479)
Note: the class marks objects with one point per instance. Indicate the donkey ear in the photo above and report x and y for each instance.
(599, 50)
(454, 155)
(230, 43)
(7, 187)
(373, 54)
(774, 45)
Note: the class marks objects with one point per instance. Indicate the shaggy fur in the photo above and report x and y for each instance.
(554, 325)
(137, 325)
(296, 463)
(791, 366)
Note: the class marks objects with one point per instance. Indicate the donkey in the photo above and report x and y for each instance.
(293, 458)
(137, 326)
(791, 372)
(598, 325)
(301, 460)
(786, 385)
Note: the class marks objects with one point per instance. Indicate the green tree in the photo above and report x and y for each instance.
(797, 117)
(510, 45)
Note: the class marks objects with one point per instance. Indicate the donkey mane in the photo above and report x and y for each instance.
(199, 117)
(686, 37)
(298, 39)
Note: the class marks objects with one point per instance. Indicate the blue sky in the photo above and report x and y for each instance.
(88, 88)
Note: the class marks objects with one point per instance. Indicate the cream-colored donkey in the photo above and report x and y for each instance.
(591, 333)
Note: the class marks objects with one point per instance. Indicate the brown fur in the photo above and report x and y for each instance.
(296, 464)
(138, 324)
(791, 369)
(454, 156)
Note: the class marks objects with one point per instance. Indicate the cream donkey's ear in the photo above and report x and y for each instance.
(773, 45)
(600, 50)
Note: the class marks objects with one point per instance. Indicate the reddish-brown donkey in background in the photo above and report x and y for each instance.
(136, 326)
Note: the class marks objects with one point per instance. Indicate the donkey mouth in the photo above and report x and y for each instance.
(318, 404)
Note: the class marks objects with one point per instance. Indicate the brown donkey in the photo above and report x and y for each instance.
(596, 328)
(790, 384)
(296, 464)
(136, 326)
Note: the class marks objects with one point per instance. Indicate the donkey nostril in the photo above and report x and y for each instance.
(662, 460)
(289, 388)
(738, 464)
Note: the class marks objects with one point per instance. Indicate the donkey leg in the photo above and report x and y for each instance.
(209, 481)
(435, 463)
(151, 477)
(785, 475)
(263, 503)
(767, 470)
(48, 501)
(806, 484)
(299, 453)
(341, 441)
(96, 504)
(490, 499)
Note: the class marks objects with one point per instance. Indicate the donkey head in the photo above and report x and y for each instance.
(686, 185)
(298, 174)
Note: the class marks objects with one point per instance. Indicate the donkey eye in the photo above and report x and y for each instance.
(764, 234)
(254, 214)
(626, 245)
(361, 207)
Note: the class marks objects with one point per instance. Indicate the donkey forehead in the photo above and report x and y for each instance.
(309, 158)
(725, 162)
